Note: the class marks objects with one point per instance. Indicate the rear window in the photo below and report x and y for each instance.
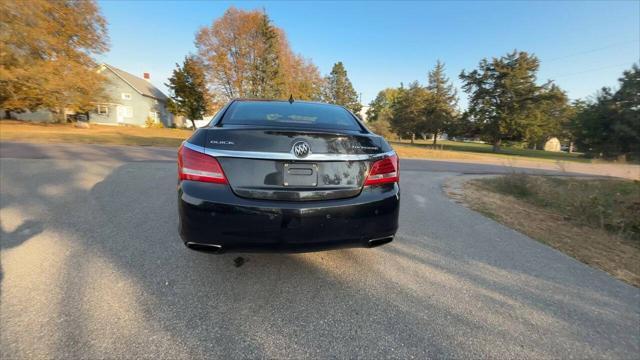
(297, 114)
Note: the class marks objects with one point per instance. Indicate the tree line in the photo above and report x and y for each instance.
(244, 55)
(507, 104)
(48, 62)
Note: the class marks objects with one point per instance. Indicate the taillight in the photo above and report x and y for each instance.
(196, 166)
(384, 171)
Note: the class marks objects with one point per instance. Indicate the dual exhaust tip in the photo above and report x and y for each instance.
(381, 241)
(204, 247)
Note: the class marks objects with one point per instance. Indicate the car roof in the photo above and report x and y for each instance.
(284, 101)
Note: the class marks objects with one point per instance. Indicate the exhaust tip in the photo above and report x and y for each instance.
(204, 247)
(378, 242)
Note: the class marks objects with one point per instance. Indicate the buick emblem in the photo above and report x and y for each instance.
(301, 149)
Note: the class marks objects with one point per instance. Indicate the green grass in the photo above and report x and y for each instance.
(505, 151)
(611, 205)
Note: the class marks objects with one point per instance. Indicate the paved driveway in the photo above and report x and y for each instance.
(92, 266)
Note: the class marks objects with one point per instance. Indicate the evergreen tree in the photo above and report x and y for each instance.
(266, 80)
(339, 90)
(408, 115)
(440, 109)
(551, 117)
(502, 96)
(188, 92)
(627, 125)
(610, 126)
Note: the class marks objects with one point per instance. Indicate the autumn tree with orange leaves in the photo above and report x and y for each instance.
(246, 56)
(46, 54)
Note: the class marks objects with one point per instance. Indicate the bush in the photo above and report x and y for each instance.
(151, 123)
(612, 205)
(515, 184)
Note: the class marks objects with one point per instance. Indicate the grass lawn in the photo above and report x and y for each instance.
(467, 147)
(11, 130)
(594, 221)
(97, 134)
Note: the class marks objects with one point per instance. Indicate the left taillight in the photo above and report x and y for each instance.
(384, 171)
(196, 166)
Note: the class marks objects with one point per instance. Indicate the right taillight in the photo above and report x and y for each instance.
(384, 171)
(196, 166)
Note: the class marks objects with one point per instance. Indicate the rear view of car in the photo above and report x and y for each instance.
(286, 176)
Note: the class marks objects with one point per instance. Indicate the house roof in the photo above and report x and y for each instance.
(142, 86)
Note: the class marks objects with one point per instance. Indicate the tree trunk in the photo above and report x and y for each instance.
(496, 145)
(435, 138)
(570, 147)
(7, 114)
(413, 137)
(193, 122)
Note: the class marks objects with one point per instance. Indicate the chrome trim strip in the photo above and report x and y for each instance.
(285, 155)
(189, 145)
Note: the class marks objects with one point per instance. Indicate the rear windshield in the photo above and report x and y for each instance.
(297, 114)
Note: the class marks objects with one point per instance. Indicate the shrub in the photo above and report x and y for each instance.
(151, 123)
(514, 184)
(612, 205)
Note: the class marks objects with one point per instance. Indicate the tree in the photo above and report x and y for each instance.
(502, 95)
(266, 80)
(610, 125)
(627, 124)
(380, 107)
(188, 92)
(245, 55)
(46, 56)
(440, 109)
(379, 113)
(408, 115)
(551, 117)
(339, 90)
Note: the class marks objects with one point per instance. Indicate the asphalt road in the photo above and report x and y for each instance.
(92, 267)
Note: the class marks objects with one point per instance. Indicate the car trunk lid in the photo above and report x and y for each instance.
(262, 163)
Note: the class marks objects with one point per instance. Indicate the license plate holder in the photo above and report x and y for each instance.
(300, 175)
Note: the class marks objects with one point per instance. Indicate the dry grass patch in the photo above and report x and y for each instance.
(97, 134)
(417, 152)
(594, 221)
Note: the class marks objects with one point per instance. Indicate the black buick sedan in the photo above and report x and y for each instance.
(286, 176)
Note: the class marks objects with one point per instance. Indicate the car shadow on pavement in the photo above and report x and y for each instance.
(127, 287)
(10, 239)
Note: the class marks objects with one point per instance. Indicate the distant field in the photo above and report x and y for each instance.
(446, 145)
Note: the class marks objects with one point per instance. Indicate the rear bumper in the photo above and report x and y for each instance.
(211, 214)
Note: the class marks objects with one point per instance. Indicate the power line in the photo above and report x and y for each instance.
(589, 70)
(637, 41)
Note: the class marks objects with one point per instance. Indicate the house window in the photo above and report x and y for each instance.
(154, 115)
(128, 111)
(102, 109)
(126, 96)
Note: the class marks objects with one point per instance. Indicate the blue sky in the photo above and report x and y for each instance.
(582, 45)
